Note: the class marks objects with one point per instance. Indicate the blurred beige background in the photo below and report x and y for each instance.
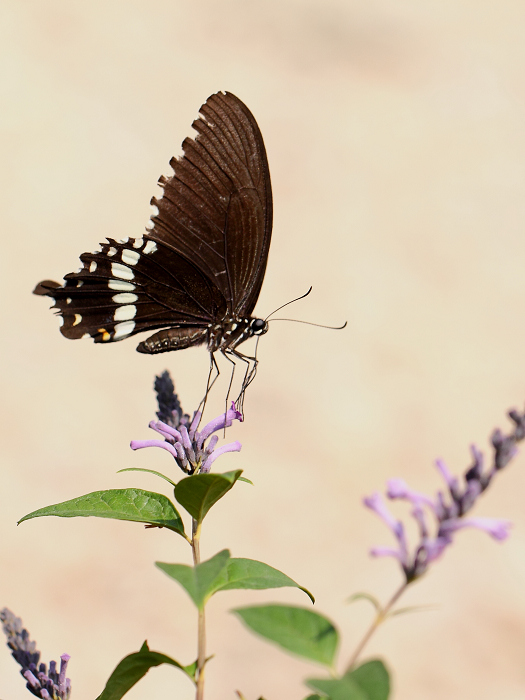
(396, 139)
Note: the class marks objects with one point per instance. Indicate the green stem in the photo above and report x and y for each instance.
(379, 618)
(201, 629)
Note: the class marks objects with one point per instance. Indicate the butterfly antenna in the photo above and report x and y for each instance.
(289, 302)
(309, 323)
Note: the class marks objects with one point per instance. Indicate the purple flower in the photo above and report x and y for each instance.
(188, 446)
(180, 434)
(47, 685)
(377, 504)
(170, 411)
(428, 549)
(439, 518)
(496, 528)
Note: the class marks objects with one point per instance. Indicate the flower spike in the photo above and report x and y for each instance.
(447, 509)
(48, 685)
(181, 436)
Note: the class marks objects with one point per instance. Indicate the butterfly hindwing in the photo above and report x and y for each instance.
(132, 286)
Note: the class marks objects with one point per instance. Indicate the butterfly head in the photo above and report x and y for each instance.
(258, 326)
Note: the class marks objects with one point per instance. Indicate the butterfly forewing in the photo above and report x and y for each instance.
(217, 207)
(202, 262)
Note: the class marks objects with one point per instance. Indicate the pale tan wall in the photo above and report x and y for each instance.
(396, 139)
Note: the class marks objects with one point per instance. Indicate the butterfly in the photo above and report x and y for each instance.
(195, 276)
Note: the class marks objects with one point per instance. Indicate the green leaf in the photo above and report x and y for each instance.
(314, 697)
(199, 581)
(255, 575)
(370, 681)
(338, 689)
(119, 504)
(148, 471)
(297, 630)
(411, 609)
(372, 677)
(365, 596)
(247, 481)
(191, 669)
(132, 668)
(200, 492)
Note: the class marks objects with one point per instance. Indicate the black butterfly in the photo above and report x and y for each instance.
(198, 271)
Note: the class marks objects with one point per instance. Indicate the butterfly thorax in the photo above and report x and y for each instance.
(233, 331)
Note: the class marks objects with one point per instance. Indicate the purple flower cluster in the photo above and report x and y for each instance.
(447, 509)
(187, 446)
(181, 438)
(49, 685)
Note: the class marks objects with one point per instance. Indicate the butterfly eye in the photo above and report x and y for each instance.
(258, 326)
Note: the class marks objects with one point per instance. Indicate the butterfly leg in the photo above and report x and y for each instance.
(209, 384)
(227, 354)
(249, 374)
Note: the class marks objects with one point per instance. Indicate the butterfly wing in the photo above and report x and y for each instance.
(205, 254)
(216, 208)
(133, 286)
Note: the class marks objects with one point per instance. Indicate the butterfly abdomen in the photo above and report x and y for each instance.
(173, 339)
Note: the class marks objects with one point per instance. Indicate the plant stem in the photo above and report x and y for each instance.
(379, 618)
(201, 629)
